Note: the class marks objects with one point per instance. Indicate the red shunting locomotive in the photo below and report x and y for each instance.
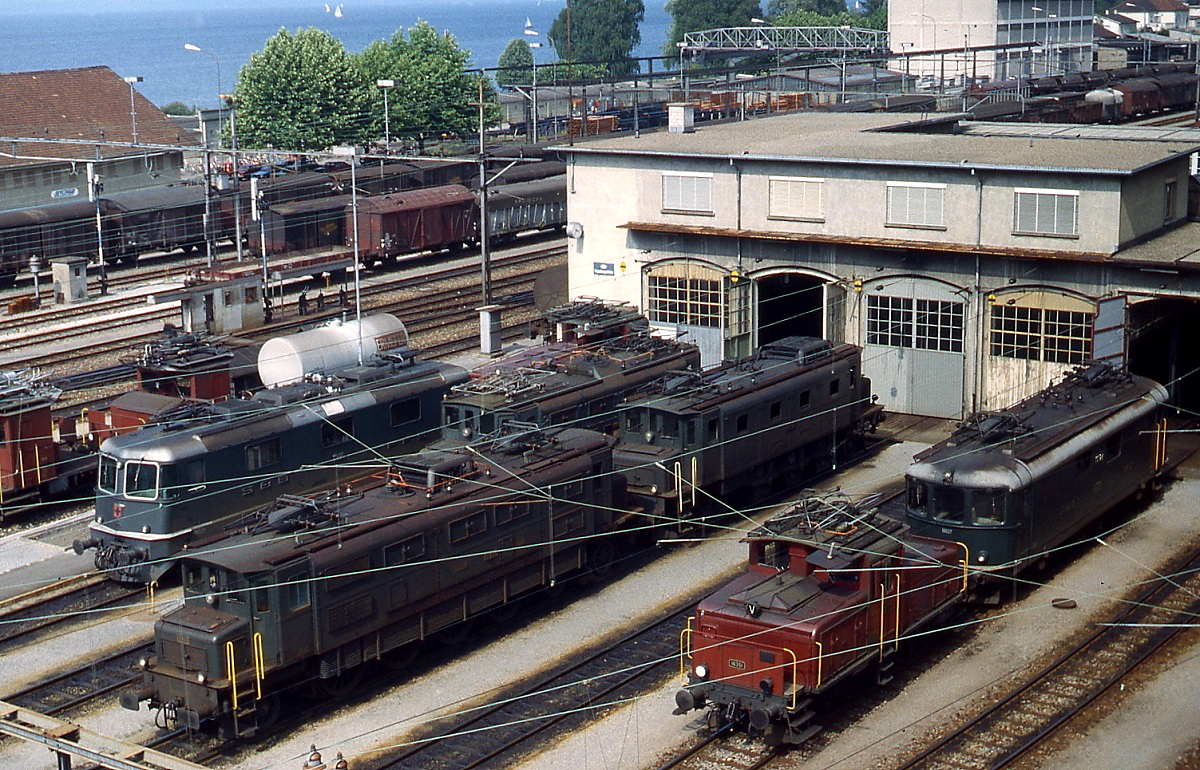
(831, 588)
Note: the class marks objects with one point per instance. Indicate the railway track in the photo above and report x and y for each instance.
(74, 688)
(549, 706)
(721, 751)
(1066, 689)
(35, 611)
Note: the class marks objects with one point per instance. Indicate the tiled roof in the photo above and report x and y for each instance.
(1149, 6)
(88, 103)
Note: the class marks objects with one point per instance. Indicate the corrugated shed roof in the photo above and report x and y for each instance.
(86, 103)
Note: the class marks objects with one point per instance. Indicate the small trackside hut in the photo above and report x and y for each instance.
(831, 588)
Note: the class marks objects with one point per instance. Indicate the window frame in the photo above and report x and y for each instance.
(924, 222)
(810, 187)
(1021, 227)
(674, 200)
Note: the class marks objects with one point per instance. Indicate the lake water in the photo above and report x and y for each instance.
(146, 39)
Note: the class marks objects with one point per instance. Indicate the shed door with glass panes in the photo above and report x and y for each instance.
(686, 297)
(914, 348)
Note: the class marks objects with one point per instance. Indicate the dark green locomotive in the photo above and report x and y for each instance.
(311, 589)
(1015, 484)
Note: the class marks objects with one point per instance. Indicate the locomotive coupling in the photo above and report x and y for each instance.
(79, 546)
(686, 700)
(132, 700)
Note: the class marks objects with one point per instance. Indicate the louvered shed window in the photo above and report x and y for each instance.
(916, 204)
(1046, 212)
(796, 198)
(687, 193)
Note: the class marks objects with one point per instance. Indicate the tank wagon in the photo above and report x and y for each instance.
(321, 421)
(747, 427)
(830, 589)
(305, 592)
(1014, 484)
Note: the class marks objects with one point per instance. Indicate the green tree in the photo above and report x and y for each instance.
(177, 108)
(803, 18)
(695, 15)
(516, 64)
(822, 7)
(434, 95)
(301, 92)
(599, 30)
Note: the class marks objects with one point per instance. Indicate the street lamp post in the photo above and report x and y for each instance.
(220, 110)
(384, 85)
(533, 46)
(132, 105)
(237, 219)
(351, 153)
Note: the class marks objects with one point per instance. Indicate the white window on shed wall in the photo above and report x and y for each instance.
(916, 204)
(798, 198)
(1046, 212)
(687, 193)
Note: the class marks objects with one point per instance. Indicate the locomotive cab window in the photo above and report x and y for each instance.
(141, 480)
(773, 554)
(108, 475)
(987, 506)
(634, 421)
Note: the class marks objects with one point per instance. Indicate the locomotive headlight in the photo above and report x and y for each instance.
(649, 437)
(201, 678)
(146, 529)
(701, 671)
(982, 558)
(654, 489)
(210, 600)
(99, 520)
(143, 662)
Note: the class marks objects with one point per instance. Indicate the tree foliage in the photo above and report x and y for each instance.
(515, 64)
(695, 15)
(301, 92)
(434, 95)
(821, 7)
(599, 30)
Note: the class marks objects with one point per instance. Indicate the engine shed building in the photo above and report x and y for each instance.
(86, 126)
(974, 262)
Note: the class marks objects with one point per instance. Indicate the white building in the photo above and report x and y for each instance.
(992, 39)
(973, 262)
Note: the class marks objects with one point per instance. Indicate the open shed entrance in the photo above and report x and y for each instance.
(1162, 347)
(790, 303)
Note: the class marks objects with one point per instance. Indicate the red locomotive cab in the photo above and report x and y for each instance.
(830, 591)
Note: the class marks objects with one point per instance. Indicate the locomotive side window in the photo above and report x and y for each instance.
(668, 426)
(176, 479)
(712, 429)
(689, 433)
(1112, 447)
(337, 432)
(264, 454)
(467, 526)
(805, 399)
(193, 579)
(743, 422)
(835, 385)
(633, 421)
(109, 475)
(141, 480)
(776, 409)
(774, 555)
(296, 593)
(409, 410)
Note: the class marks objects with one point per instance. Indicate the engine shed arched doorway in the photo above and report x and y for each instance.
(790, 304)
(1161, 347)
